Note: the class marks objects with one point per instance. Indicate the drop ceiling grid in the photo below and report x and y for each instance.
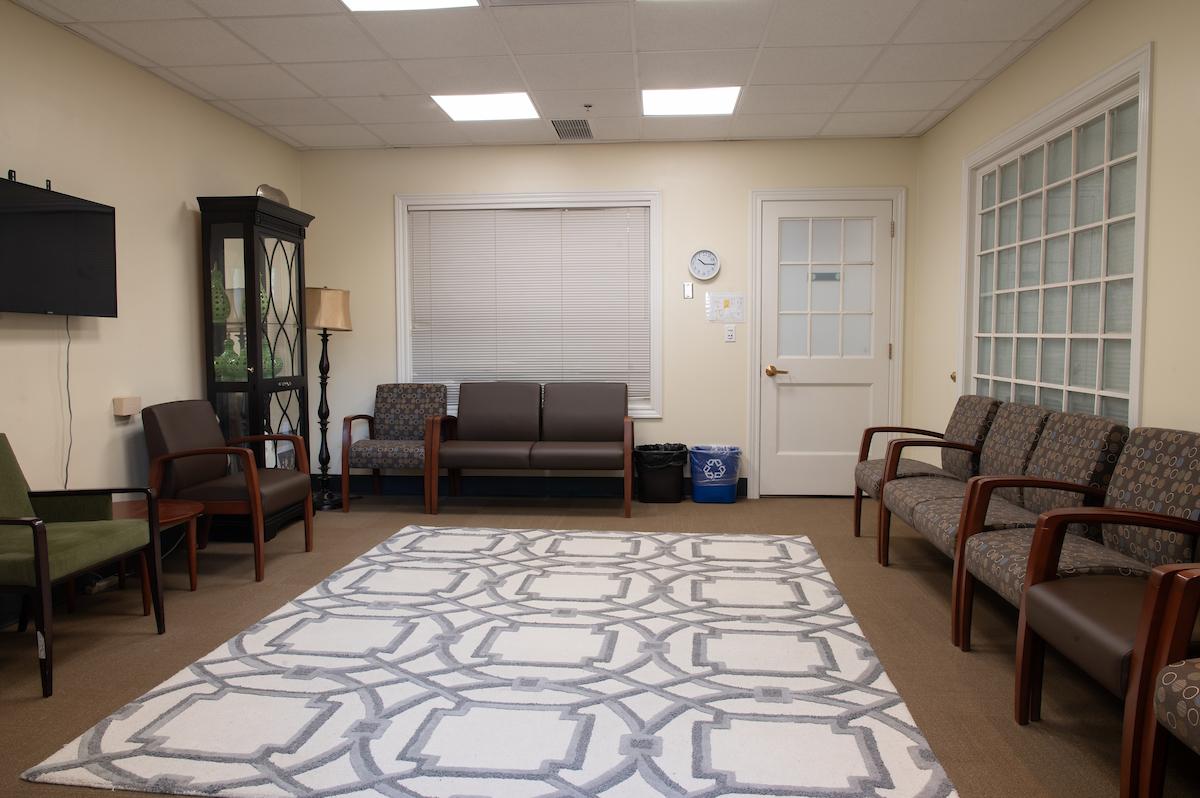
(318, 76)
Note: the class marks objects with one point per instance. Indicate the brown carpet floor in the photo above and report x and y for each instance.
(107, 654)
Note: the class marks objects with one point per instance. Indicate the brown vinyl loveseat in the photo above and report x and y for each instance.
(519, 425)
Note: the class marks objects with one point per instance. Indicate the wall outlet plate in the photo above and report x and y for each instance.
(730, 333)
(688, 290)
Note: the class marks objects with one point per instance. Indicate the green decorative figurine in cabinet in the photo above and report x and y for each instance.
(253, 247)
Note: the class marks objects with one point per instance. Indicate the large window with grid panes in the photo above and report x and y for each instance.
(1056, 259)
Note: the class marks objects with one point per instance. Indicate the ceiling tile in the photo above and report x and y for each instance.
(238, 112)
(268, 8)
(332, 135)
(89, 33)
(464, 75)
(286, 139)
(118, 10)
(799, 22)
(1006, 57)
(576, 28)
(515, 131)
(185, 42)
(900, 96)
(929, 121)
(354, 78)
(782, 65)
(778, 126)
(604, 102)
(297, 39)
(912, 62)
(244, 82)
(391, 110)
(685, 127)
(1058, 17)
(695, 69)
(974, 20)
(895, 123)
(443, 134)
(433, 34)
(792, 99)
(960, 96)
(179, 82)
(46, 10)
(617, 128)
(301, 111)
(701, 24)
(582, 71)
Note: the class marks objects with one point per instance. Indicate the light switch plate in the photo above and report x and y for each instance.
(730, 333)
(688, 290)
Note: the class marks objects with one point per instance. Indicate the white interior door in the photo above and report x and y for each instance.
(826, 311)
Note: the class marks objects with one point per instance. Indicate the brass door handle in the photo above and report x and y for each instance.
(772, 371)
(954, 376)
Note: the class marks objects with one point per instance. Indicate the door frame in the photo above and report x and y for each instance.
(897, 195)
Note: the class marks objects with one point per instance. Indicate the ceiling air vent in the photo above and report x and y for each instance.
(572, 129)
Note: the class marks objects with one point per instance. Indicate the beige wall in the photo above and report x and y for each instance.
(106, 130)
(1103, 33)
(705, 203)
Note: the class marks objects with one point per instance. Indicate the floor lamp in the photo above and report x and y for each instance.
(327, 309)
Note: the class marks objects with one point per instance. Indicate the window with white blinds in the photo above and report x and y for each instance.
(532, 293)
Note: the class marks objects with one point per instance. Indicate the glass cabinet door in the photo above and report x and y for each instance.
(279, 307)
(227, 283)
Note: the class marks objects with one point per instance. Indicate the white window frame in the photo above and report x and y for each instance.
(651, 200)
(1123, 81)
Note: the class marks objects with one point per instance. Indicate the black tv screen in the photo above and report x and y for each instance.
(58, 253)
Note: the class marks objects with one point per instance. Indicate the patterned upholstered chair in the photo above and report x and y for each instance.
(933, 505)
(1150, 517)
(968, 423)
(1070, 467)
(395, 434)
(1164, 690)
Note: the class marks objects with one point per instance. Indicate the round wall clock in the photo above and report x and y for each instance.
(704, 264)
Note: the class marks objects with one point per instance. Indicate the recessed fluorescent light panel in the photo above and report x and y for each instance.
(690, 102)
(481, 107)
(406, 5)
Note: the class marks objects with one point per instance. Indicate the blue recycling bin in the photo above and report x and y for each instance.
(715, 473)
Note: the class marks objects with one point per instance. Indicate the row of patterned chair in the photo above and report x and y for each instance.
(1054, 495)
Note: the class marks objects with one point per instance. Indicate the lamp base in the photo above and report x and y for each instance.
(327, 500)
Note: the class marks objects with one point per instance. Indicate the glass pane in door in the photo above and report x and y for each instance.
(279, 306)
(283, 416)
(227, 284)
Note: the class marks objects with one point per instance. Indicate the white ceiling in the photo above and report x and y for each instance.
(317, 76)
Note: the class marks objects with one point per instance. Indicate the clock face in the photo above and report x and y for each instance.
(704, 265)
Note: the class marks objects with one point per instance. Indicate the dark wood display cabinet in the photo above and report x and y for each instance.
(254, 347)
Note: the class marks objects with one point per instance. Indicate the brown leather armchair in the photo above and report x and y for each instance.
(189, 459)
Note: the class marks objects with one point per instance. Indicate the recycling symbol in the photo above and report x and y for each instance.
(714, 468)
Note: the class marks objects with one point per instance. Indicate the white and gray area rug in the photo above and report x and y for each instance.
(472, 663)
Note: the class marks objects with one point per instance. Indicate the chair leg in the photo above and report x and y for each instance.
(152, 558)
(121, 568)
(26, 609)
(628, 493)
(70, 591)
(1151, 766)
(202, 534)
(345, 489)
(308, 520)
(144, 578)
(193, 566)
(1031, 654)
(376, 482)
(858, 497)
(455, 481)
(260, 563)
(43, 624)
(883, 543)
(435, 489)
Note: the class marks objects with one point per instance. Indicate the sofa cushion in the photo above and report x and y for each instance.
(1158, 471)
(73, 546)
(14, 490)
(584, 411)
(280, 488)
(868, 474)
(499, 411)
(578, 454)
(968, 423)
(387, 454)
(937, 520)
(1010, 442)
(1073, 447)
(401, 410)
(1000, 560)
(484, 454)
(903, 496)
(1177, 701)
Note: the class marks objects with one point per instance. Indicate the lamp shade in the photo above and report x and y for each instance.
(327, 308)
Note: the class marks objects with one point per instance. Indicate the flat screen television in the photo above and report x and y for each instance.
(58, 253)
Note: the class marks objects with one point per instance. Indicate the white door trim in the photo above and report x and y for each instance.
(754, 298)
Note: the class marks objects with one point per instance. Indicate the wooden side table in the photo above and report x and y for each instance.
(171, 513)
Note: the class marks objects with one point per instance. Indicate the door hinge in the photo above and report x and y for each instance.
(893, 229)
(889, 351)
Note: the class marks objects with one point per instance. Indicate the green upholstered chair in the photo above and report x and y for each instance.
(47, 537)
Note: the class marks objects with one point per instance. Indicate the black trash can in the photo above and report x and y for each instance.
(659, 469)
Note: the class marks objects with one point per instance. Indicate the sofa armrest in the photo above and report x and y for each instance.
(895, 448)
(864, 448)
(249, 471)
(348, 436)
(445, 428)
(295, 440)
(979, 496)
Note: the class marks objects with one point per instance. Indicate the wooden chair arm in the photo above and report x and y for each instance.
(1052, 526)
(864, 448)
(295, 440)
(348, 436)
(892, 464)
(445, 428)
(979, 496)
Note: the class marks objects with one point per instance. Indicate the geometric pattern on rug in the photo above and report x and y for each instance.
(460, 663)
